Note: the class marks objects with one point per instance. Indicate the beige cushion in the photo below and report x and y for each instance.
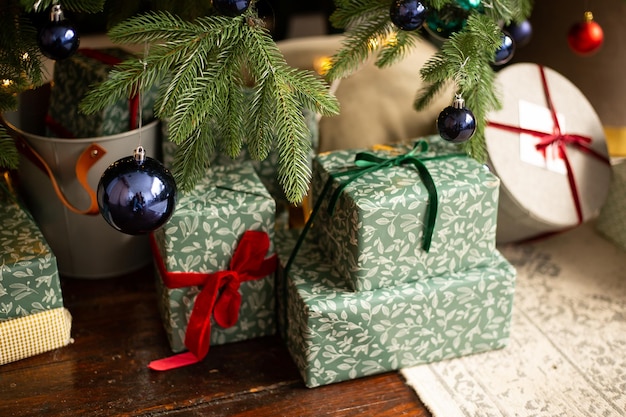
(376, 104)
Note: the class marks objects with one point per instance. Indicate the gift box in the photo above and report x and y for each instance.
(547, 145)
(611, 222)
(29, 278)
(36, 333)
(377, 232)
(199, 244)
(335, 334)
(73, 78)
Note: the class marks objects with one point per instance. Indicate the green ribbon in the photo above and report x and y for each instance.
(367, 162)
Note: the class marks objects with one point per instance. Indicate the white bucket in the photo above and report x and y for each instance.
(84, 244)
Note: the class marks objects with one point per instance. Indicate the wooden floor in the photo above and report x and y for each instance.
(117, 332)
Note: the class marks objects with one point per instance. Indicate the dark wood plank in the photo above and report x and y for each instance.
(117, 332)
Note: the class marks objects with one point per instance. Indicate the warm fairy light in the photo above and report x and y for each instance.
(322, 64)
(391, 40)
(25, 56)
(6, 83)
(373, 43)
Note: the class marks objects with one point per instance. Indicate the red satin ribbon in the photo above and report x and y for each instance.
(219, 295)
(561, 140)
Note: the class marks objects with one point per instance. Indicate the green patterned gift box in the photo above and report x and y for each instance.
(611, 222)
(201, 237)
(335, 334)
(29, 279)
(73, 78)
(376, 233)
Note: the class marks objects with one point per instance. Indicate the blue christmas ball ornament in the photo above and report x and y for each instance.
(231, 8)
(58, 39)
(456, 123)
(407, 14)
(520, 32)
(506, 50)
(136, 194)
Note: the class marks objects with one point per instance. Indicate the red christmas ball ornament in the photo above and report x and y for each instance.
(586, 37)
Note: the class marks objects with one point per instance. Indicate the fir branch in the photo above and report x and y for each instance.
(466, 59)
(87, 6)
(8, 152)
(360, 43)
(201, 66)
(397, 47)
(193, 156)
(159, 27)
(350, 12)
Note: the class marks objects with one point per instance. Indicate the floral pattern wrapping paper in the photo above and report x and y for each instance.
(335, 334)
(29, 278)
(374, 235)
(202, 235)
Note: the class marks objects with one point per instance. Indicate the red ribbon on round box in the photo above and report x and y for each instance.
(547, 146)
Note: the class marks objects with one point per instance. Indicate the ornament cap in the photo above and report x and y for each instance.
(56, 13)
(459, 102)
(588, 16)
(139, 154)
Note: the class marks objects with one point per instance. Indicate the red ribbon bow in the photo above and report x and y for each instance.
(561, 140)
(219, 295)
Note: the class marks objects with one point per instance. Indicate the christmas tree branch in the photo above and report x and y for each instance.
(204, 69)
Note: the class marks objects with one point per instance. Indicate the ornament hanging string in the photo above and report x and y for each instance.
(559, 139)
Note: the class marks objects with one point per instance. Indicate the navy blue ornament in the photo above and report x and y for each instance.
(136, 194)
(58, 39)
(231, 8)
(407, 14)
(506, 50)
(456, 123)
(521, 32)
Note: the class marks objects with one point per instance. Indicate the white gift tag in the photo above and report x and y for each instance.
(534, 117)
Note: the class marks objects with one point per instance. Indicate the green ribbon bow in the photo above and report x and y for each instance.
(367, 162)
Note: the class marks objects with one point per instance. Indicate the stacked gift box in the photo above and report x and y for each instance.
(379, 281)
(32, 317)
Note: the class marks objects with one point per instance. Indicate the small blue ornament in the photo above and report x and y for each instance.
(136, 194)
(506, 50)
(231, 8)
(58, 39)
(407, 14)
(520, 32)
(456, 123)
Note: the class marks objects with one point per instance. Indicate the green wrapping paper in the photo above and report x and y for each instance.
(611, 222)
(73, 78)
(375, 232)
(201, 236)
(334, 334)
(29, 279)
